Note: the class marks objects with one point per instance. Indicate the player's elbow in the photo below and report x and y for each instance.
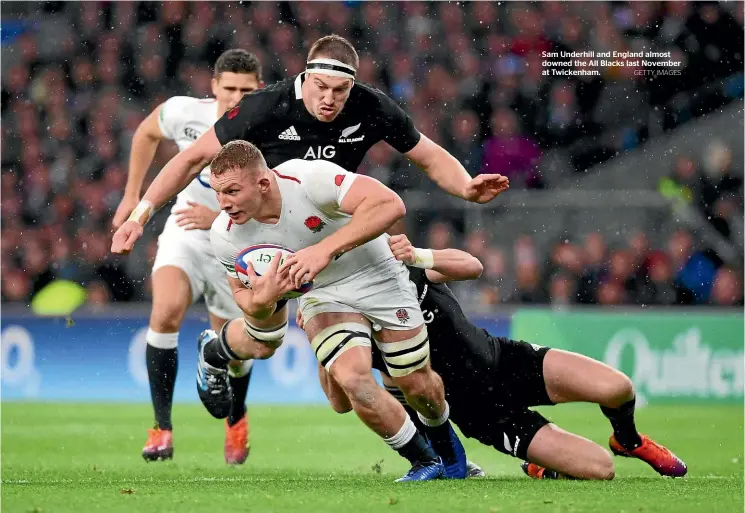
(396, 207)
(473, 267)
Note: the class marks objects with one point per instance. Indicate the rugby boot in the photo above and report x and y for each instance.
(424, 471)
(537, 472)
(213, 386)
(159, 445)
(655, 455)
(236, 442)
(473, 470)
(452, 453)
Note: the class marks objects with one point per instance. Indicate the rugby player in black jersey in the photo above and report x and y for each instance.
(322, 114)
(492, 382)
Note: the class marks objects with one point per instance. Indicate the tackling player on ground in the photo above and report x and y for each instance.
(185, 267)
(335, 220)
(492, 382)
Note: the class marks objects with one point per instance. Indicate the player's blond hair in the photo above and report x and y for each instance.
(238, 155)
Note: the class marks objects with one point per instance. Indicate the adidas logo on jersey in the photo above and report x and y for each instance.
(290, 134)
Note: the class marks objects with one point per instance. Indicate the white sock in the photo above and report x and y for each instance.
(238, 371)
(436, 422)
(161, 340)
(404, 435)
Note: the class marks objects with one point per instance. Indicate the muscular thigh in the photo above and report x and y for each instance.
(332, 335)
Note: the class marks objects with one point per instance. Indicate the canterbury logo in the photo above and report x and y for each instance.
(290, 134)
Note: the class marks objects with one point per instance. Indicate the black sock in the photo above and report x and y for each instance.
(162, 365)
(217, 352)
(417, 450)
(622, 420)
(240, 389)
(439, 436)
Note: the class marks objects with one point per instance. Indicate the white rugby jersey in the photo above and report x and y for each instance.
(183, 119)
(312, 192)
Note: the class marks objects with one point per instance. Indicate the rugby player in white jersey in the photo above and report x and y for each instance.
(335, 221)
(185, 267)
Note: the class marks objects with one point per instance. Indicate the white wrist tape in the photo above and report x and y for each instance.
(142, 212)
(424, 258)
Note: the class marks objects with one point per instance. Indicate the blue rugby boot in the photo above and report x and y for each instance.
(424, 471)
(213, 386)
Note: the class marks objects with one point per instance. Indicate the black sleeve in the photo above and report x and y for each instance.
(243, 120)
(399, 130)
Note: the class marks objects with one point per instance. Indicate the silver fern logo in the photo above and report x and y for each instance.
(349, 131)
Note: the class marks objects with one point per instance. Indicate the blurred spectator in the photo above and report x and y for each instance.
(508, 153)
(469, 74)
(727, 288)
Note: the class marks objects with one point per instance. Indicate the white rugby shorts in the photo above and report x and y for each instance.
(381, 292)
(191, 252)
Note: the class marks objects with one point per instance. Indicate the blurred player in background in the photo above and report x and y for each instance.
(185, 267)
(319, 114)
(492, 382)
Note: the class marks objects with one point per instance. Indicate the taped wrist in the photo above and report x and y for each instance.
(142, 212)
(424, 258)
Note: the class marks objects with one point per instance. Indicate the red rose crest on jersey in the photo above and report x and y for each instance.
(338, 180)
(402, 315)
(233, 112)
(315, 224)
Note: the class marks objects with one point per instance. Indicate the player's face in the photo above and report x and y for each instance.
(238, 193)
(229, 88)
(324, 96)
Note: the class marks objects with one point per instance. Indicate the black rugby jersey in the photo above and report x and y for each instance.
(464, 355)
(275, 119)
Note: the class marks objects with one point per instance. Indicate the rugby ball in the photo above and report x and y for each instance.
(261, 256)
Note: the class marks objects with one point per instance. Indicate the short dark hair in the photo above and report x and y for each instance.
(237, 155)
(335, 47)
(238, 60)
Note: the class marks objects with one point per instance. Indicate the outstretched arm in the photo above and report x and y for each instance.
(451, 176)
(171, 180)
(441, 265)
(145, 143)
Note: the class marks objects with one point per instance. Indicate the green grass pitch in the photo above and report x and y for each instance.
(86, 458)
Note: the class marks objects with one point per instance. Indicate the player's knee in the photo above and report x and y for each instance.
(414, 386)
(616, 391)
(604, 469)
(356, 384)
(262, 352)
(167, 318)
(625, 388)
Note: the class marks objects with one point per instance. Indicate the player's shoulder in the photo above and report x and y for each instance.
(368, 92)
(222, 226)
(185, 107)
(272, 99)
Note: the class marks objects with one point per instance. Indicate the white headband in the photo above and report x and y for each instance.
(330, 67)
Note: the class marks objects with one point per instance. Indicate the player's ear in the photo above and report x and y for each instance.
(213, 82)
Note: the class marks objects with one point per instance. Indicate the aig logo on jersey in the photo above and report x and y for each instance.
(350, 131)
(320, 152)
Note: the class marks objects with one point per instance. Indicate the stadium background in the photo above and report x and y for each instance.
(621, 236)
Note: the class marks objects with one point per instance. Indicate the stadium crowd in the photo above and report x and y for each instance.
(79, 77)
